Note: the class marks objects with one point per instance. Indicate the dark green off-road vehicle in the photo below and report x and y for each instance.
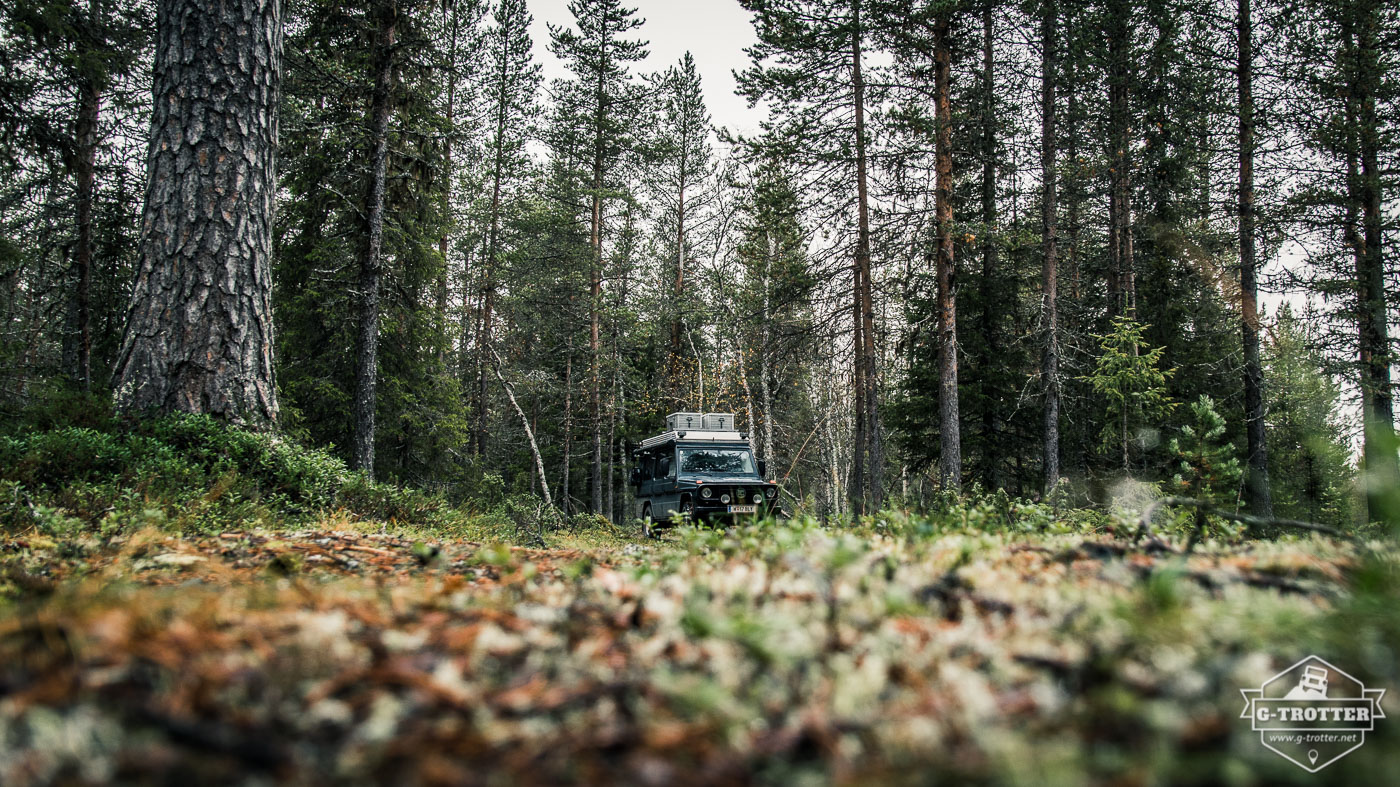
(700, 469)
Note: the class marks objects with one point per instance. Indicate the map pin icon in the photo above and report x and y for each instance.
(1312, 756)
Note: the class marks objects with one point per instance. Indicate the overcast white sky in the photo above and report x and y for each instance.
(714, 31)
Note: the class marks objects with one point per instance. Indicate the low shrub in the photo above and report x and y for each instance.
(201, 473)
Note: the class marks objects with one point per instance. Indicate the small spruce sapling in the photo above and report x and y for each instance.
(1132, 383)
(1207, 467)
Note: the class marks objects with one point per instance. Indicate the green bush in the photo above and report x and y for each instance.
(202, 474)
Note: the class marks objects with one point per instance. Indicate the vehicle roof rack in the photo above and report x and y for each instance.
(693, 436)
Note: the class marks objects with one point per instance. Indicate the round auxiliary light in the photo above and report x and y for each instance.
(707, 493)
(724, 498)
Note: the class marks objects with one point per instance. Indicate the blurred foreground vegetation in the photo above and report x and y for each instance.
(185, 600)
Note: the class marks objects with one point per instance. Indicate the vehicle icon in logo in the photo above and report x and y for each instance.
(1313, 713)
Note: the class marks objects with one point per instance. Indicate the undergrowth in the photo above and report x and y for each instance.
(192, 474)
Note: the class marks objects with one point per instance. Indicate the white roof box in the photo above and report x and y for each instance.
(718, 422)
(683, 422)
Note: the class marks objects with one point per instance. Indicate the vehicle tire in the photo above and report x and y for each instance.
(648, 526)
(687, 509)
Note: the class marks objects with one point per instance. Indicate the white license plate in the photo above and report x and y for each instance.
(742, 509)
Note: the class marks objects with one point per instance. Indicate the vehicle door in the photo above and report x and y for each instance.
(647, 489)
(666, 499)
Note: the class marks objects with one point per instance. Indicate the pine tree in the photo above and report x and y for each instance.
(386, 14)
(683, 147)
(808, 64)
(64, 60)
(603, 99)
(207, 237)
(328, 174)
(1257, 478)
(511, 83)
(774, 293)
(1049, 151)
(1314, 478)
(1345, 69)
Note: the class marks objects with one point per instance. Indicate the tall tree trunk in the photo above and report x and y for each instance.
(991, 418)
(595, 413)
(367, 362)
(448, 172)
(625, 500)
(1257, 478)
(1374, 336)
(611, 508)
(856, 486)
(1074, 184)
(199, 330)
(595, 238)
(748, 392)
(565, 498)
(869, 497)
(1049, 305)
(465, 321)
(85, 168)
(1121, 285)
(765, 349)
(675, 365)
(950, 450)
(488, 266)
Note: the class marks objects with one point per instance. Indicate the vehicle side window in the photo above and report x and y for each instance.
(649, 467)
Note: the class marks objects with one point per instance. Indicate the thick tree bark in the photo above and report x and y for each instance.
(1257, 477)
(199, 330)
(950, 448)
(367, 361)
(1049, 304)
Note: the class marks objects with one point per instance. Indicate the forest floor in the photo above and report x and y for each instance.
(784, 654)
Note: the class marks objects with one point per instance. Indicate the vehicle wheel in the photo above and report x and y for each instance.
(687, 509)
(648, 526)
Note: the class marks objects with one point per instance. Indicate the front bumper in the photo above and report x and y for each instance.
(718, 511)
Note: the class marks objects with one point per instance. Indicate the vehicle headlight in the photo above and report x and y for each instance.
(724, 498)
(707, 493)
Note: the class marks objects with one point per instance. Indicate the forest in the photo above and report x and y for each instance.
(329, 332)
(1002, 246)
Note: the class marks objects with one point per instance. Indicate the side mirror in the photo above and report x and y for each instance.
(763, 468)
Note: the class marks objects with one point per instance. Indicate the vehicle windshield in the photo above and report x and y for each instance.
(730, 461)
